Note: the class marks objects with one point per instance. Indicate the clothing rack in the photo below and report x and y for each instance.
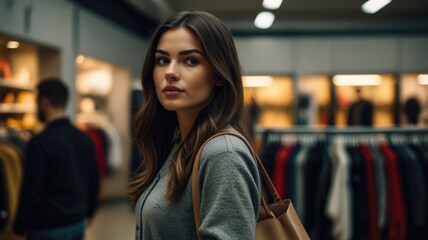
(328, 132)
(353, 182)
(12, 143)
(342, 130)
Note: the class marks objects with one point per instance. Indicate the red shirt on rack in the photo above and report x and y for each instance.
(373, 226)
(99, 150)
(396, 212)
(280, 169)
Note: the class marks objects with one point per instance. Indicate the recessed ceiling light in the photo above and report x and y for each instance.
(357, 80)
(12, 44)
(423, 79)
(272, 4)
(257, 81)
(372, 6)
(80, 59)
(264, 20)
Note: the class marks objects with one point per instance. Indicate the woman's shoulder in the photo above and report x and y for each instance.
(225, 157)
(224, 144)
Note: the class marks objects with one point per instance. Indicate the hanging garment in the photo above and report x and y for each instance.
(372, 201)
(268, 159)
(280, 168)
(268, 156)
(323, 226)
(396, 214)
(99, 144)
(422, 231)
(338, 206)
(300, 199)
(359, 193)
(115, 149)
(312, 172)
(14, 175)
(420, 203)
(3, 198)
(291, 174)
(413, 185)
(380, 187)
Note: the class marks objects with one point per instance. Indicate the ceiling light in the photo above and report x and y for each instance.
(372, 6)
(264, 20)
(423, 79)
(272, 4)
(80, 59)
(357, 80)
(257, 81)
(12, 44)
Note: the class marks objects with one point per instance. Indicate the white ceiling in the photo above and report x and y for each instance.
(300, 15)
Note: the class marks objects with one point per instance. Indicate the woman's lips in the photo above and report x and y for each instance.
(172, 90)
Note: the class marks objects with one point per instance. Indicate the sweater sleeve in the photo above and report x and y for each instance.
(230, 193)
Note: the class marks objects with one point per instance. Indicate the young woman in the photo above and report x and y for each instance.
(193, 88)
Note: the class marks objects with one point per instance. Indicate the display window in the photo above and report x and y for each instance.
(364, 100)
(314, 100)
(414, 99)
(269, 99)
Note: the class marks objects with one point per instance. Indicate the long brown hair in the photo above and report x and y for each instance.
(156, 127)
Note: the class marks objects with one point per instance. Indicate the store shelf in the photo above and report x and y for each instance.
(13, 84)
(16, 108)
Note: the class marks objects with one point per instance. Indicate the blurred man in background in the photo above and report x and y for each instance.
(61, 183)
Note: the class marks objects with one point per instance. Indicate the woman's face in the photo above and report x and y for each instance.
(182, 75)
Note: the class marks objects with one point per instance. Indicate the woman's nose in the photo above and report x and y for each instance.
(171, 73)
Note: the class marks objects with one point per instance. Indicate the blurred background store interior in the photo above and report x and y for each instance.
(302, 73)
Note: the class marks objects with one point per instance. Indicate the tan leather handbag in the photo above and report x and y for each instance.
(276, 221)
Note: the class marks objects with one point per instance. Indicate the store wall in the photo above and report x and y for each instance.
(44, 22)
(12, 16)
(332, 54)
(265, 55)
(73, 30)
(107, 41)
(415, 53)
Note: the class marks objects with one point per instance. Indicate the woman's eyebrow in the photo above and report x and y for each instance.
(163, 52)
(190, 51)
(185, 52)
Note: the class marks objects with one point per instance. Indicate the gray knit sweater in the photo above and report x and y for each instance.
(230, 197)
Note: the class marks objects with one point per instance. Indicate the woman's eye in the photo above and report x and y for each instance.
(191, 61)
(161, 60)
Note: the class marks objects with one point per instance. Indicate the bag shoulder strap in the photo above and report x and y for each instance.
(195, 171)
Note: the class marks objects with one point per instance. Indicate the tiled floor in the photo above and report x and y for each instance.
(113, 221)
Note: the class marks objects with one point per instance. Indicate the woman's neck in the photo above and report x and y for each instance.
(185, 122)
